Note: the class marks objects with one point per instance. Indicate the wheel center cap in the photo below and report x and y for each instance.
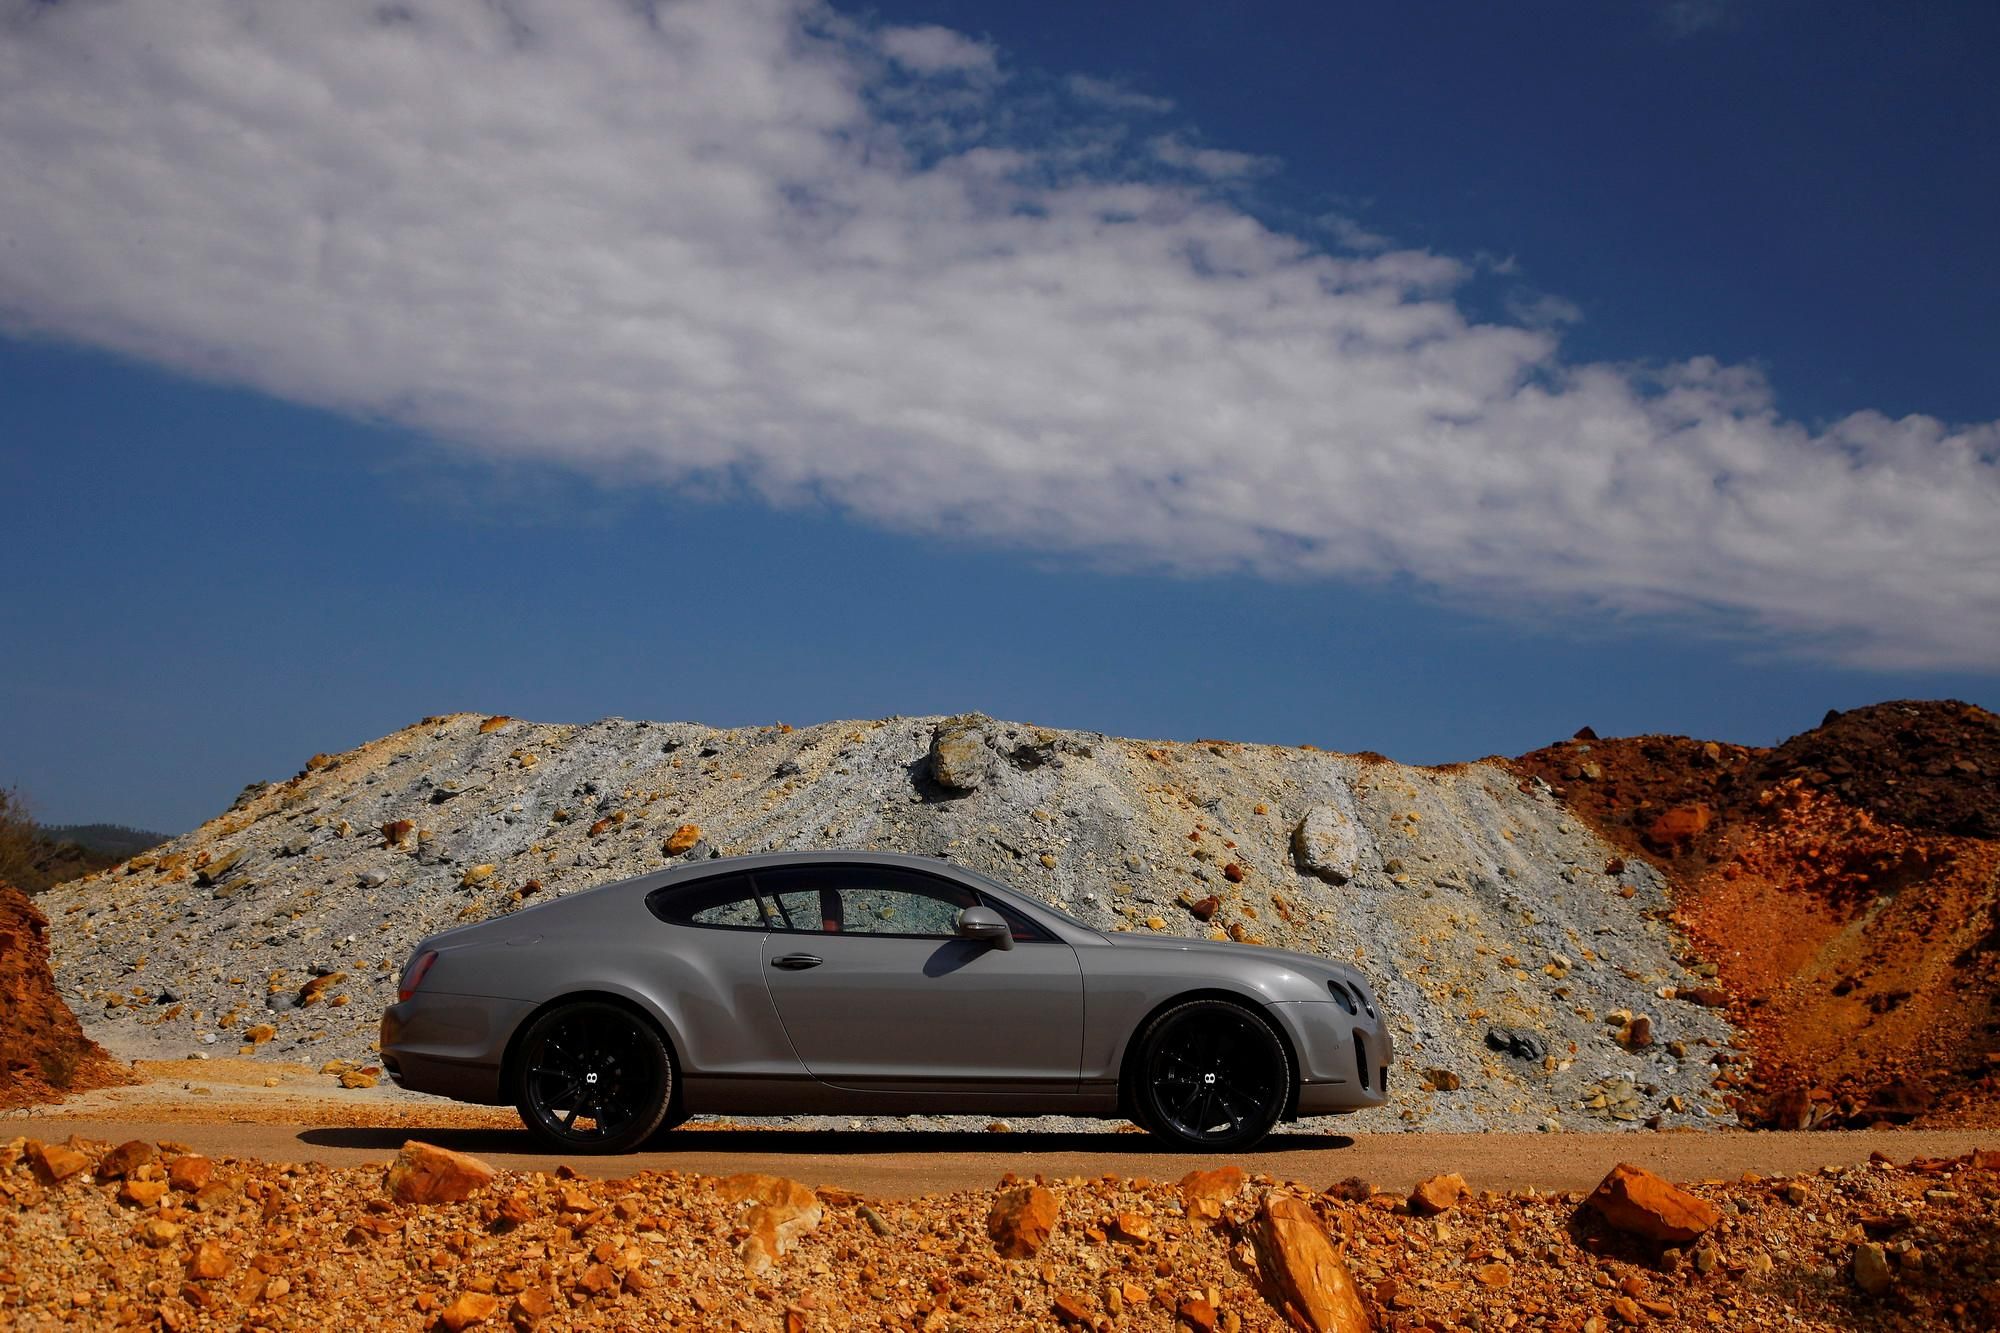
(592, 1078)
(1208, 1078)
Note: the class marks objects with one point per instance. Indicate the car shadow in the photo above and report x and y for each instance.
(814, 1142)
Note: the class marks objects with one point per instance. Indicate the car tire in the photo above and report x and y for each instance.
(593, 1077)
(1209, 1076)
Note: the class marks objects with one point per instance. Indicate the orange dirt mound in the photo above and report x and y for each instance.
(43, 1052)
(1846, 887)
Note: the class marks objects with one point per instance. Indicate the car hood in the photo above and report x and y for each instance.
(1310, 964)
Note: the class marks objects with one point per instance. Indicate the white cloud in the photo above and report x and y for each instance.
(1115, 95)
(1215, 163)
(727, 243)
(1351, 235)
(930, 49)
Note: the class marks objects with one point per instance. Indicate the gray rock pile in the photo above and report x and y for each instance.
(1483, 912)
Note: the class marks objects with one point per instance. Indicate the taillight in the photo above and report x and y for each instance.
(414, 976)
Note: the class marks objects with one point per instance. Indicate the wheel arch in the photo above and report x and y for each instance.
(1129, 1057)
(510, 1060)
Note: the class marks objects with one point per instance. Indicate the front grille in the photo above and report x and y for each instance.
(1361, 1058)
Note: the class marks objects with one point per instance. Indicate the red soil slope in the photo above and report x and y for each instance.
(43, 1052)
(1846, 885)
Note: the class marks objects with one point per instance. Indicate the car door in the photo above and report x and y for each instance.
(877, 992)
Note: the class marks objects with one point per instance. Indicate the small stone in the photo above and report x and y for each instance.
(1439, 1194)
(682, 840)
(209, 1261)
(1204, 909)
(1442, 1080)
(124, 1159)
(474, 876)
(159, 1233)
(1871, 1269)
(468, 1308)
(260, 1033)
(1070, 1309)
(141, 1193)
(189, 1172)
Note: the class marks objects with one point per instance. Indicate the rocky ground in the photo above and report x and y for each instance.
(142, 1234)
(43, 1052)
(1844, 890)
(1529, 966)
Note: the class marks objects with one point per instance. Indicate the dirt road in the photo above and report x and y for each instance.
(907, 1164)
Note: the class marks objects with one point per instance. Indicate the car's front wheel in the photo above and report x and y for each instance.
(593, 1078)
(1210, 1075)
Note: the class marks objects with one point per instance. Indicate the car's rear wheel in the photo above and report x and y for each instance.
(1210, 1075)
(593, 1078)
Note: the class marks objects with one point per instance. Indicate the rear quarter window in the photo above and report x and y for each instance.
(727, 902)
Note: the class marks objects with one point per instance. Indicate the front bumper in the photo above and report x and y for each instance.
(1343, 1061)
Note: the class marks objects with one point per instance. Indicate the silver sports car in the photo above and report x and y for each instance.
(869, 983)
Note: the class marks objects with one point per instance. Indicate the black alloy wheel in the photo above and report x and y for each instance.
(1210, 1075)
(594, 1078)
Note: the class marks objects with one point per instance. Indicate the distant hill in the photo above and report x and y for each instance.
(35, 856)
(112, 841)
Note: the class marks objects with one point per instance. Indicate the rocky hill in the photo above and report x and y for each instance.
(1530, 967)
(1845, 884)
(43, 1052)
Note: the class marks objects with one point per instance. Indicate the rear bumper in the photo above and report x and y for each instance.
(450, 1045)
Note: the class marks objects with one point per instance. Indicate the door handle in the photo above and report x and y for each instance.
(797, 962)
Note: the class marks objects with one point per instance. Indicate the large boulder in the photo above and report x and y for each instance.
(782, 1211)
(425, 1173)
(1307, 1279)
(1634, 1200)
(961, 758)
(1326, 844)
(1020, 1221)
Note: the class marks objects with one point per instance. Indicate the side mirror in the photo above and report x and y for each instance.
(985, 924)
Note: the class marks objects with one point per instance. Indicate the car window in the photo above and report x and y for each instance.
(726, 900)
(867, 900)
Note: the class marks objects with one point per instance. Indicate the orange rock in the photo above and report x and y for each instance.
(1020, 1221)
(396, 833)
(1307, 1275)
(1204, 1192)
(682, 839)
(141, 1193)
(53, 1162)
(493, 724)
(189, 1172)
(1494, 1275)
(209, 1261)
(784, 1211)
(468, 1308)
(423, 1173)
(122, 1160)
(1196, 1313)
(1070, 1309)
(1634, 1200)
(1679, 824)
(159, 1233)
(599, 1280)
(1438, 1194)
(315, 990)
(1134, 1226)
(1205, 908)
(531, 1307)
(260, 1033)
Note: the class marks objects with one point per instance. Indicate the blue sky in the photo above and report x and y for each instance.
(1432, 381)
